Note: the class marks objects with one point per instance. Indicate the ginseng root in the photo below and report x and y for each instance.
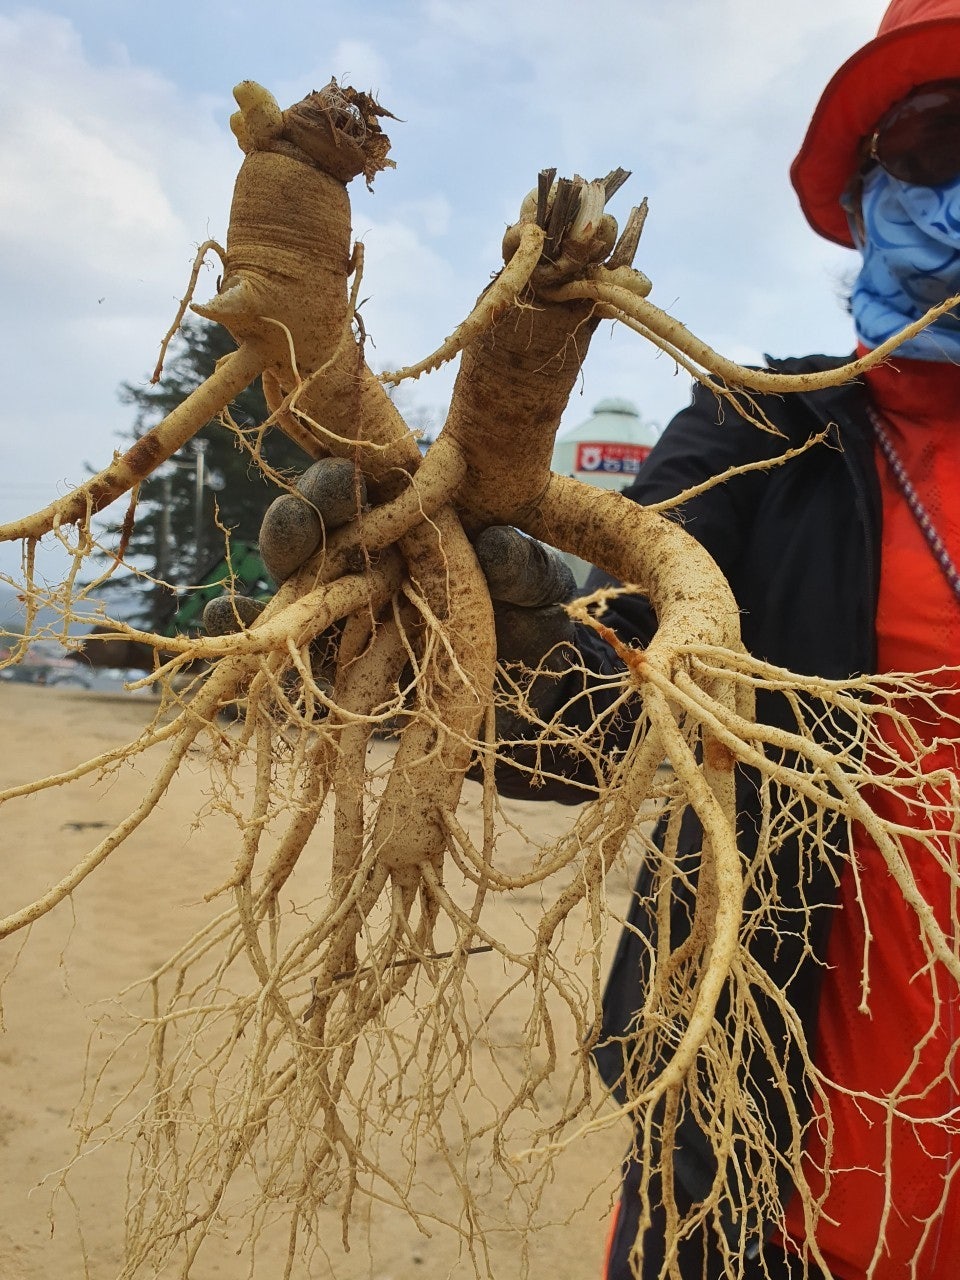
(334, 998)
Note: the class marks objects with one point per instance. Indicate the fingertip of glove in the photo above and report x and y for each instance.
(289, 535)
(335, 487)
(229, 614)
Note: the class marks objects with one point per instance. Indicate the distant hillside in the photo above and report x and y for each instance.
(12, 615)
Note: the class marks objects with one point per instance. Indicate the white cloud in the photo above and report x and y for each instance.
(113, 170)
(104, 205)
(355, 62)
(110, 177)
(88, 155)
(414, 297)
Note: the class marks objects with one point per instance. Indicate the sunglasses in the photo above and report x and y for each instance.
(918, 139)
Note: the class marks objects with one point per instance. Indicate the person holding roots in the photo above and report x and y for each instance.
(844, 561)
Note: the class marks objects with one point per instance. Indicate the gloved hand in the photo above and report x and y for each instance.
(528, 581)
(529, 584)
(327, 495)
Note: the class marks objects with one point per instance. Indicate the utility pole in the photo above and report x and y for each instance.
(198, 465)
(163, 527)
(164, 557)
(201, 447)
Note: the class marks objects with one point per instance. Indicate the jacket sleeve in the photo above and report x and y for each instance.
(703, 441)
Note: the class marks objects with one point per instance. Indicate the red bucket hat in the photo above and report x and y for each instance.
(918, 40)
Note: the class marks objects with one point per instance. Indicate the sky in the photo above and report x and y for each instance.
(116, 162)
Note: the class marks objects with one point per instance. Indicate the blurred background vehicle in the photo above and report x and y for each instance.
(45, 662)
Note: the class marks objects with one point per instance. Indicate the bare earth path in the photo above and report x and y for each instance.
(126, 919)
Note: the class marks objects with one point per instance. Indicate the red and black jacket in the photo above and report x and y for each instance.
(799, 545)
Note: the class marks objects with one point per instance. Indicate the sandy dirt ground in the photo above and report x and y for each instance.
(63, 978)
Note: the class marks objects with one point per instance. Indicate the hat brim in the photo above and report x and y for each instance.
(867, 85)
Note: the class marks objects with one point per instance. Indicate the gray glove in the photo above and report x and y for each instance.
(227, 614)
(332, 491)
(328, 494)
(528, 582)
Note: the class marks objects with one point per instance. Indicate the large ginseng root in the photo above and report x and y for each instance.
(337, 995)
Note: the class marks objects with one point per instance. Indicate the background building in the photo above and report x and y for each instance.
(606, 451)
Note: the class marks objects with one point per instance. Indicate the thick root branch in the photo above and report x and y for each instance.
(356, 975)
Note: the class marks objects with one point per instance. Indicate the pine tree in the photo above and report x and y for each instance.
(212, 481)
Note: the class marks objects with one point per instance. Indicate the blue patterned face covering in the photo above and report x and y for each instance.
(911, 260)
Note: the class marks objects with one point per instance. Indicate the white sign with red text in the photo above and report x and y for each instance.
(609, 459)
